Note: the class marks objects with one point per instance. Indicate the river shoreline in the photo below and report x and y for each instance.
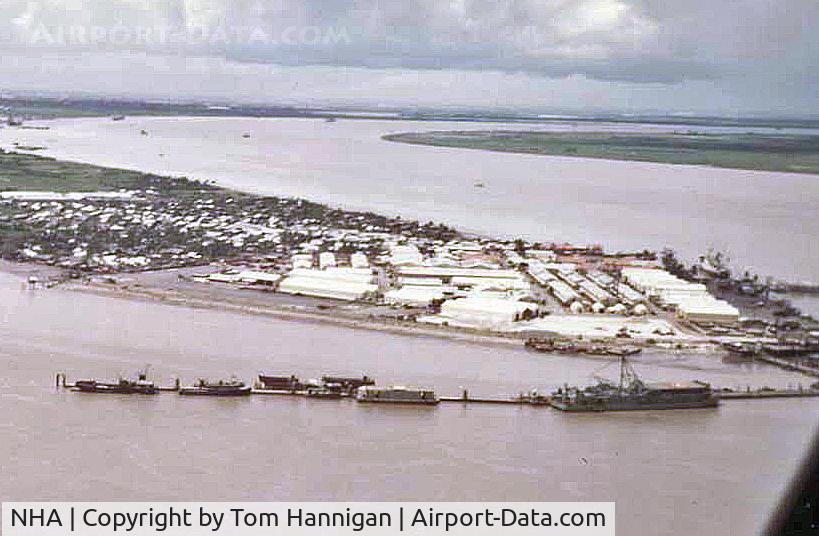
(165, 287)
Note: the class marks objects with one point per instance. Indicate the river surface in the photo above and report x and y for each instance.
(716, 471)
(766, 221)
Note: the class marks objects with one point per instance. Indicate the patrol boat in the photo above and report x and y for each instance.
(631, 393)
(396, 395)
(127, 386)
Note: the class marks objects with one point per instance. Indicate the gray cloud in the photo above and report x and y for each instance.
(631, 40)
(751, 53)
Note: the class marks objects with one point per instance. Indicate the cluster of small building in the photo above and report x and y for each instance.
(103, 232)
(300, 248)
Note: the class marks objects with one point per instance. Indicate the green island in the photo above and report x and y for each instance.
(790, 153)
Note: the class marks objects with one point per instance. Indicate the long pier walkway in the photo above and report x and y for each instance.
(519, 400)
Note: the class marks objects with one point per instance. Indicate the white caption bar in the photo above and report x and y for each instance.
(308, 518)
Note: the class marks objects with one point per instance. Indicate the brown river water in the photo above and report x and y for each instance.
(715, 471)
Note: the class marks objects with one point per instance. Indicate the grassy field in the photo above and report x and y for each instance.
(31, 172)
(789, 153)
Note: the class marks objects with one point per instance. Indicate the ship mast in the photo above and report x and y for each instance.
(622, 372)
(628, 377)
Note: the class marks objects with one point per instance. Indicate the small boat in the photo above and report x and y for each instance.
(126, 386)
(117, 118)
(396, 395)
(742, 348)
(553, 346)
(789, 349)
(231, 387)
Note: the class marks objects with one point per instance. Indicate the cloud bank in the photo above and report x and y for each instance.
(771, 45)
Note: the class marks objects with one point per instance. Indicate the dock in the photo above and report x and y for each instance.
(471, 400)
(515, 400)
(788, 365)
(759, 394)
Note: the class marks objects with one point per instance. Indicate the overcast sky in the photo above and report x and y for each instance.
(712, 56)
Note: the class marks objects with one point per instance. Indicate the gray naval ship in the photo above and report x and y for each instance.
(631, 393)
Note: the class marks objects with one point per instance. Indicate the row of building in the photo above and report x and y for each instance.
(592, 291)
(691, 301)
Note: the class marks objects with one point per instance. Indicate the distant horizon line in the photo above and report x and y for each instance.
(531, 113)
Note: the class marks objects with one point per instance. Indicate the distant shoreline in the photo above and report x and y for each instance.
(45, 107)
(798, 154)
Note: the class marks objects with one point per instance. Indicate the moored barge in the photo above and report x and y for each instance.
(202, 387)
(347, 383)
(567, 347)
(281, 383)
(396, 395)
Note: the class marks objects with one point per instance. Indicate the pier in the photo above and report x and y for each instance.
(519, 399)
(789, 365)
(760, 394)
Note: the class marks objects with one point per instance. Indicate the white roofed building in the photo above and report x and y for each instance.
(415, 296)
(359, 260)
(326, 260)
(486, 312)
(404, 255)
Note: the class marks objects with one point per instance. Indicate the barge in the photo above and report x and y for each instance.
(347, 383)
(202, 387)
(566, 347)
(280, 383)
(325, 393)
(396, 395)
